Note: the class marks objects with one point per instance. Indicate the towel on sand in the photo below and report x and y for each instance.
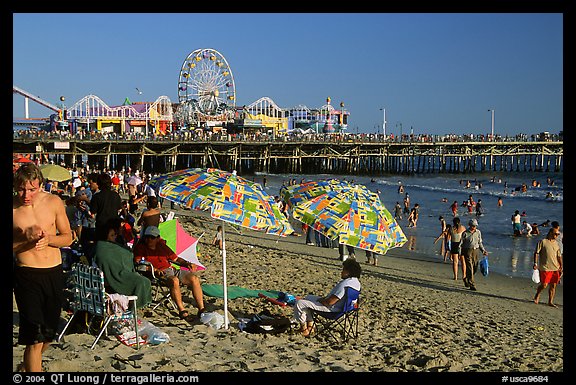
(235, 291)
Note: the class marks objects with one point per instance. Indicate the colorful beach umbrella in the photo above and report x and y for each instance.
(297, 193)
(354, 215)
(178, 239)
(55, 172)
(229, 198)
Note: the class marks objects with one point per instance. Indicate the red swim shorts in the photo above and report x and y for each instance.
(549, 276)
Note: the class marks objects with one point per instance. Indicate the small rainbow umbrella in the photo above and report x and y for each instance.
(178, 239)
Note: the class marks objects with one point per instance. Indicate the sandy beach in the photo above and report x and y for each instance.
(414, 318)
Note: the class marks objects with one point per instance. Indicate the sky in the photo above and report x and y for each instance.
(437, 73)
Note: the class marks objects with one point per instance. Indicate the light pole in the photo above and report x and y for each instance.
(384, 122)
(492, 110)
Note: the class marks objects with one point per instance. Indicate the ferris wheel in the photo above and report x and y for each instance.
(206, 86)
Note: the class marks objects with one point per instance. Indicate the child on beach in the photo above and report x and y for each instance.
(217, 241)
(446, 247)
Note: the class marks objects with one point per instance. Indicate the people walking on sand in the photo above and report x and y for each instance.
(372, 257)
(40, 228)
(445, 236)
(548, 260)
(455, 248)
(471, 242)
(345, 252)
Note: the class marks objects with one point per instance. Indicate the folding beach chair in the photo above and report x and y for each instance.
(343, 323)
(160, 291)
(89, 295)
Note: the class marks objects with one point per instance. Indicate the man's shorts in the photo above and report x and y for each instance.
(549, 276)
(171, 272)
(39, 294)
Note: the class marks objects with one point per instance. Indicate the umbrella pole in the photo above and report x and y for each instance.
(225, 288)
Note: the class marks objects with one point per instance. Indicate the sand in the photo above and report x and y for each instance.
(414, 318)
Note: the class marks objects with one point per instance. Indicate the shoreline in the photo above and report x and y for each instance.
(413, 317)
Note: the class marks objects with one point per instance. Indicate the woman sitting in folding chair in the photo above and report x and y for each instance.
(333, 302)
(153, 249)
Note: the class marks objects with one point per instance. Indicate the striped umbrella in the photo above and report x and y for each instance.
(352, 213)
(229, 198)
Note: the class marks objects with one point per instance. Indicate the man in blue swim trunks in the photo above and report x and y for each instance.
(40, 228)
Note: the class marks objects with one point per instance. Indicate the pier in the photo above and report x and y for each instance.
(302, 156)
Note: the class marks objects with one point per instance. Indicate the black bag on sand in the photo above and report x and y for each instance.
(265, 322)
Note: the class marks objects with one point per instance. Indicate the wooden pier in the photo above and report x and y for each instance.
(305, 157)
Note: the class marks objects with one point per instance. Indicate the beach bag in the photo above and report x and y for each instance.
(536, 276)
(484, 266)
(267, 323)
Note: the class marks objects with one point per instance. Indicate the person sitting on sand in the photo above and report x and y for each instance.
(548, 260)
(153, 249)
(333, 302)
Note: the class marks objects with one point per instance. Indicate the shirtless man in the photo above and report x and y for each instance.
(40, 228)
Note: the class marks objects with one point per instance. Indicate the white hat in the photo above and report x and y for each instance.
(152, 231)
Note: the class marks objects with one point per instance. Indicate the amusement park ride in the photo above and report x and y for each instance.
(206, 100)
(206, 90)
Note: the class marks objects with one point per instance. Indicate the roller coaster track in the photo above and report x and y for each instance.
(36, 99)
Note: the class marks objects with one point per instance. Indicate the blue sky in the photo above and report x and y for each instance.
(439, 73)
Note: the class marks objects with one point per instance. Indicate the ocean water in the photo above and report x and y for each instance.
(508, 255)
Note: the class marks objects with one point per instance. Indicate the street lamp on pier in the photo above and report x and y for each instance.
(492, 110)
(384, 122)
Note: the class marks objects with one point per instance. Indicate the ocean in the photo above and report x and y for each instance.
(508, 255)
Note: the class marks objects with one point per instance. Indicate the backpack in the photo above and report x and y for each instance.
(267, 323)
